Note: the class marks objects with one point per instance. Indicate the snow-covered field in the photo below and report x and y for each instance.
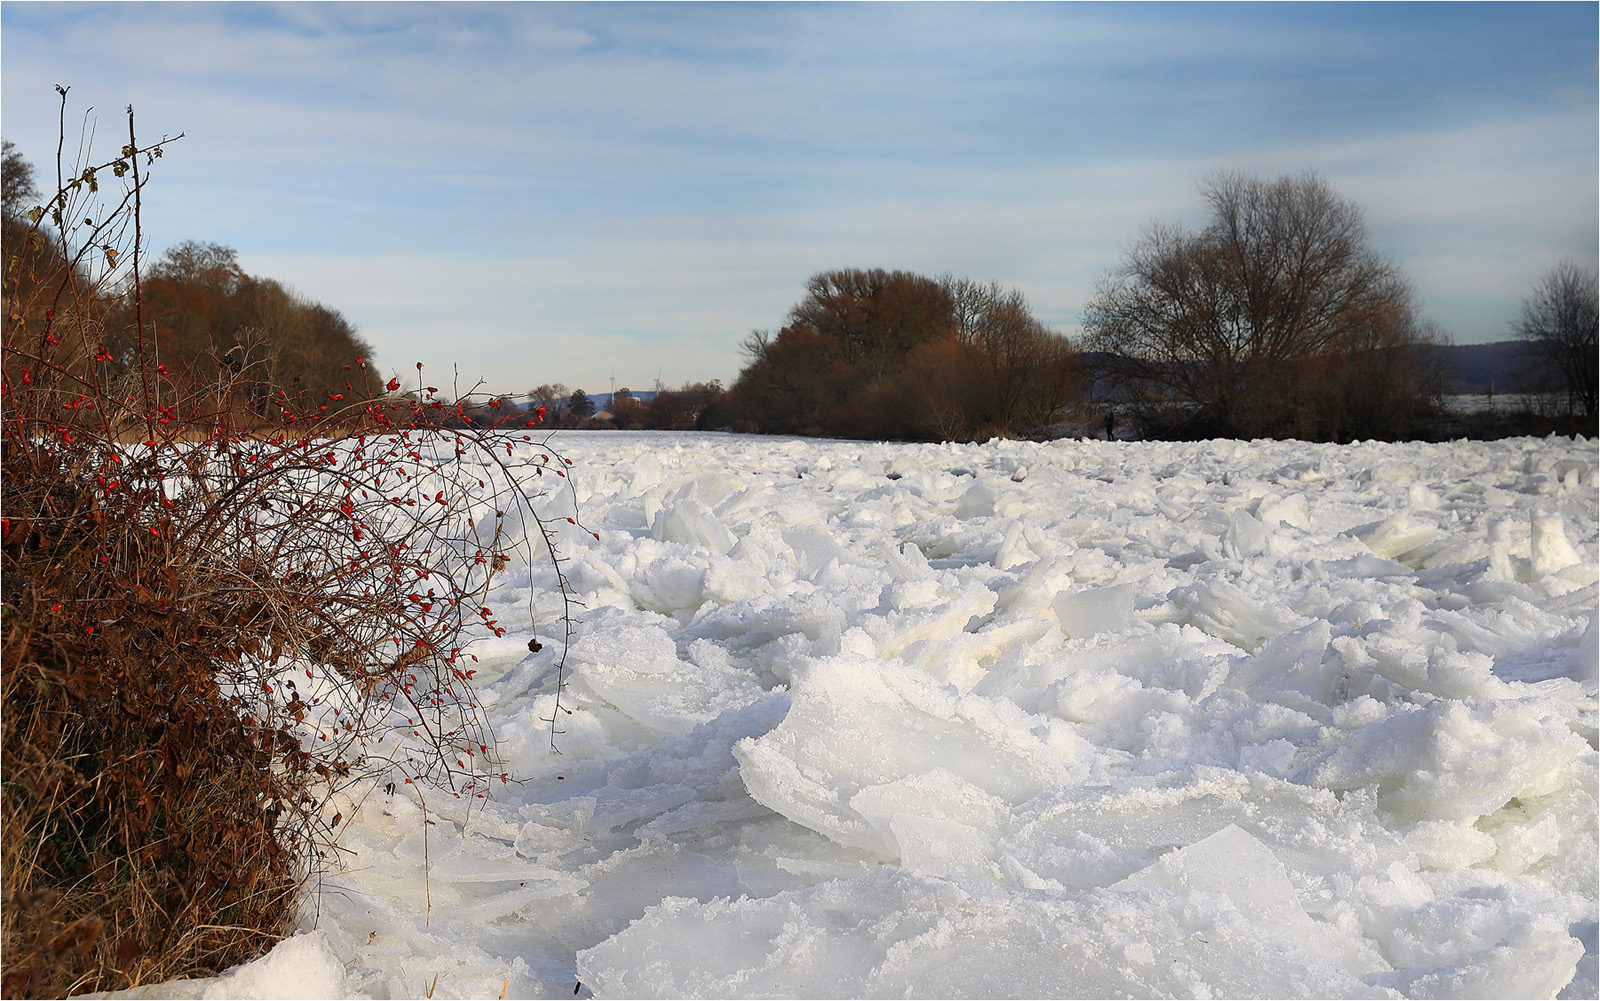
(1072, 719)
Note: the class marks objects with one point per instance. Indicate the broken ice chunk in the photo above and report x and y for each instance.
(691, 522)
(1236, 865)
(1097, 610)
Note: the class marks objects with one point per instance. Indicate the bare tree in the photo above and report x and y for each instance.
(875, 316)
(694, 405)
(970, 302)
(1018, 372)
(548, 393)
(1559, 323)
(1230, 321)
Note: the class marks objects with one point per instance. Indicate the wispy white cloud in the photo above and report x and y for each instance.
(574, 184)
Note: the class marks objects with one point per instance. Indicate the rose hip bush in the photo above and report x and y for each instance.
(224, 603)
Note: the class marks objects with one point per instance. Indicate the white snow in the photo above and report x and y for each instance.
(1070, 719)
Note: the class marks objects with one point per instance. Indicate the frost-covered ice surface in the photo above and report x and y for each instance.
(1072, 719)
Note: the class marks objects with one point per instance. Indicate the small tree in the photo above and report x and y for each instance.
(579, 405)
(1559, 322)
(551, 397)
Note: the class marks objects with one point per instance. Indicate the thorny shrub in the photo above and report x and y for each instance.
(218, 615)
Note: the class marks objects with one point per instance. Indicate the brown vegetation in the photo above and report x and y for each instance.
(209, 323)
(879, 354)
(691, 407)
(226, 598)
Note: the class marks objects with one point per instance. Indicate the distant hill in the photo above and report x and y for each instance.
(1478, 366)
(602, 401)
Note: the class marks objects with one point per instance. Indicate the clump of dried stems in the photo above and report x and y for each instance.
(223, 604)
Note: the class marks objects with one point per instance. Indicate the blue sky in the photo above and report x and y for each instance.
(575, 193)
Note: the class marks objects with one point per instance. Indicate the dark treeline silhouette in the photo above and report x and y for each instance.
(891, 354)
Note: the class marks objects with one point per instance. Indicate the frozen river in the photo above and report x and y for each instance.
(1070, 719)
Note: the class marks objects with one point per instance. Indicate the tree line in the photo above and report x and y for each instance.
(218, 323)
(1275, 319)
(694, 406)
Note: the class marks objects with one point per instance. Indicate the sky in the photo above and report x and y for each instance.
(534, 193)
